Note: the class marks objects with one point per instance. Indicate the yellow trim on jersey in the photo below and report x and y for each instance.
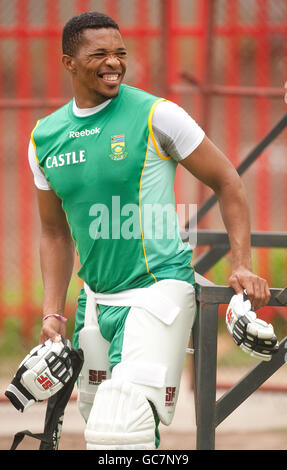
(35, 148)
(151, 131)
(81, 295)
(140, 217)
(33, 141)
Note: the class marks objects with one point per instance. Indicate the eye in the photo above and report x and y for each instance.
(99, 55)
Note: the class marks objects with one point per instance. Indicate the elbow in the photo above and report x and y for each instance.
(56, 234)
(230, 184)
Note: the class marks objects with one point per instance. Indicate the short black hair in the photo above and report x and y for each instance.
(74, 28)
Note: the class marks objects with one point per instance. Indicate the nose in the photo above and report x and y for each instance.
(112, 60)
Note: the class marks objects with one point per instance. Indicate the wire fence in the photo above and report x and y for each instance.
(224, 61)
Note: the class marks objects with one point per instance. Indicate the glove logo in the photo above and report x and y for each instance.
(96, 377)
(170, 396)
(229, 315)
(45, 382)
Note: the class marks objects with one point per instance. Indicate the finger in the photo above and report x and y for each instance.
(257, 299)
(261, 293)
(51, 333)
(42, 338)
(249, 289)
(56, 338)
(235, 284)
(265, 293)
(261, 299)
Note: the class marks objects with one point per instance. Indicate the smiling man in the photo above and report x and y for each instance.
(98, 66)
(113, 142)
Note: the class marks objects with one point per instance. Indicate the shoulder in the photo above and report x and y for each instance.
(52, 121)
(38, 174)
(170, 117)
(138, 95)
(165, 110)
(176, 131)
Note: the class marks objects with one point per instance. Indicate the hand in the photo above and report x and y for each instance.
(53, 328)
(256, 288)
(41, 374)
(253, 335)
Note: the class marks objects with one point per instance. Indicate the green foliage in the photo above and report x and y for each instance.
(14, 346)
(10, 343)
(277, 272)
(219, 273)
(278, 267)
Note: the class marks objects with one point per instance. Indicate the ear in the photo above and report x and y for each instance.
(69, 63)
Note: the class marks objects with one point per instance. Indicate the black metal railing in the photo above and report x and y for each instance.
(209, 411)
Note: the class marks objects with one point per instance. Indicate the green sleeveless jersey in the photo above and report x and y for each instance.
(117, 191)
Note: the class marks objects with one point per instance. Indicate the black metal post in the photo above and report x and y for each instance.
(209, 412)
(205, 356)
(249, 384)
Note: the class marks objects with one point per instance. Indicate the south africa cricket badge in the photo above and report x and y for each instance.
(118, 147)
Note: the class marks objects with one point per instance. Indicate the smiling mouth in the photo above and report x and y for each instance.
(110, 77)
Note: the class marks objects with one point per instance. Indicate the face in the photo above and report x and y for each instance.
(98, 66)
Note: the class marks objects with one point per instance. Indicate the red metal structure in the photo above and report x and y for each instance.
(223, 60)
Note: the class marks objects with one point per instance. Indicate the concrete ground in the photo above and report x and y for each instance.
(259, 423)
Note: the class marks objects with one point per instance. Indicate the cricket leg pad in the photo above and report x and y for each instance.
(121, 418)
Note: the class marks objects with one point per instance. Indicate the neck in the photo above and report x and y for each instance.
(89, 102)
(86, 98)
(84, 112)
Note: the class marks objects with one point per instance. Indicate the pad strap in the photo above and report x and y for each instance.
(142, 373)
(152, 300)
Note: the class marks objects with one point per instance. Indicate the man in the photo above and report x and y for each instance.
(112, 149)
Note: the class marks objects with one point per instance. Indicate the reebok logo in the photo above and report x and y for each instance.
(86, 132)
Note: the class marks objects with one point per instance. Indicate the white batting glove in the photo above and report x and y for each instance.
(252, 335)
(43, 372)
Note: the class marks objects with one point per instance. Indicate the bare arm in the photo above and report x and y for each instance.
(209, 165)
(57, 260)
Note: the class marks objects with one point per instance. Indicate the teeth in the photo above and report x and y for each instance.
(110, 78)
